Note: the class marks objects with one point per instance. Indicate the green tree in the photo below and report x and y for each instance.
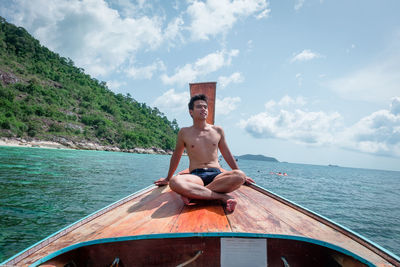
(50, 97)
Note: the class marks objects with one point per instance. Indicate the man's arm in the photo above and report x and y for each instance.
(226, 153)
(175, 158)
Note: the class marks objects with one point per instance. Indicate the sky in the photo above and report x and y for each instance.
(304, 81)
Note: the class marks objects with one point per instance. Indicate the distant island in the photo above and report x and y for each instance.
(256, 157)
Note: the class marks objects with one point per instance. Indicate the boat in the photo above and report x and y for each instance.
(153, 227)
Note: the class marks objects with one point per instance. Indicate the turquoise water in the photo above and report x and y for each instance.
(44, 190)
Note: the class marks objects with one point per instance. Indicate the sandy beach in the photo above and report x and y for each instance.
(25, 143)
(20, 142)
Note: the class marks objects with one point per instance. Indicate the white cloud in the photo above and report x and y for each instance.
(314, 128)
(227, 105)
(173, 32)
(250, 45)
(305, 55)
(377, 82)
(105, 36)
(116, 85)
(348, 50)
(224, 81)
(395, 106)
(264, 14)
(172, 101)
(218, 16)
(299, 79)
(286, 102)
(128, 9)
(285, 120)
(175, 102)
(298, 5)
(205, 65)
(90, 32)
(378, 133)
(145, 72)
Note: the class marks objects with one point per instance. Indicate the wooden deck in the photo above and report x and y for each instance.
(160, 211)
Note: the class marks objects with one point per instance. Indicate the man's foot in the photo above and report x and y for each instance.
(187, 201)
(231, 204)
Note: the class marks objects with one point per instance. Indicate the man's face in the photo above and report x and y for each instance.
(200, 110)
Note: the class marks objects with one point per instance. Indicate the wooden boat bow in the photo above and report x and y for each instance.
(158, 214)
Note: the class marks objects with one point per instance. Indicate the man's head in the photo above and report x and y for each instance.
(195, 98)
(198, 107)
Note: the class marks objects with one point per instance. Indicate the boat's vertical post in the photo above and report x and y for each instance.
(208, 89)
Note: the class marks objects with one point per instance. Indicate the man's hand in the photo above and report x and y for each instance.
(161, 182)
(249, 181)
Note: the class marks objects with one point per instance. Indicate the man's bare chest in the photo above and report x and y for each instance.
(203, 139)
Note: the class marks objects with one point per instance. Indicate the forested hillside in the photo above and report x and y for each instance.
(45, 97)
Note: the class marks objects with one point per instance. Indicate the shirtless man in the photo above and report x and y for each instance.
(205, 180)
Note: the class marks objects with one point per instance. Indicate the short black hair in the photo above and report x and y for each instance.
(195, 98)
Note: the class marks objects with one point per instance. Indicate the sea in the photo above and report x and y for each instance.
(44, 190)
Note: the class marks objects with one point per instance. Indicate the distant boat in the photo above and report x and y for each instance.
(331, 165)
(153, 227)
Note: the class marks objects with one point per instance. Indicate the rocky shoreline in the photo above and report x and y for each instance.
(67, 144)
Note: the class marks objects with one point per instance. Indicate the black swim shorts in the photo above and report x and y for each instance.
(206, 174)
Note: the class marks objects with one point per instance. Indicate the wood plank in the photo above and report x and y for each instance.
(155, 216)
(104, 226)
(207, 216)
(297, 223)
(251, 216)
(101, 227)
(307, 226)
(208, 89)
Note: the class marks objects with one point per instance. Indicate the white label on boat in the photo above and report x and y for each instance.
(243, 252)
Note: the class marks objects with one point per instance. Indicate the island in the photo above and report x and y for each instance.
(256, 157)
(46, 101)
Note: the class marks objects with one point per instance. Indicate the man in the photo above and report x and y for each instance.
(205, 180)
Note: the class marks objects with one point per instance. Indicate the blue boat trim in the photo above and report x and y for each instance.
(203, 234)
(71, 225)
(335, 223)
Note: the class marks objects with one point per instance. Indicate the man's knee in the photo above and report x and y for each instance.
(173, 183)
(178, 182)
(239, 176)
